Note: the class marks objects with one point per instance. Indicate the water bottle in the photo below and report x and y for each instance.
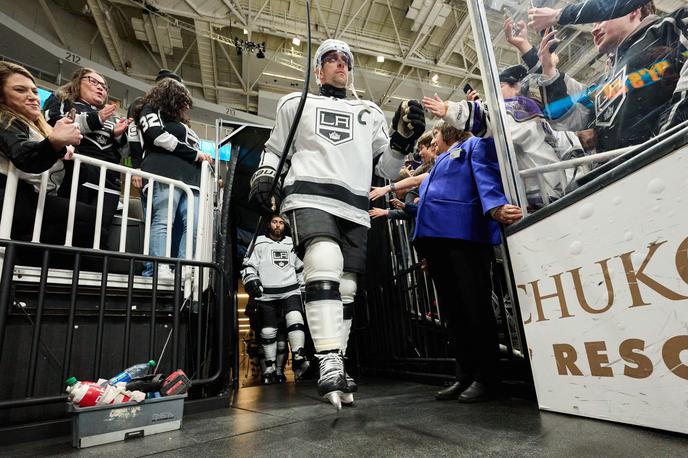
(84, 394)
(138, 370)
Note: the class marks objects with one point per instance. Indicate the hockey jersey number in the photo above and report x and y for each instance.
(150, 120)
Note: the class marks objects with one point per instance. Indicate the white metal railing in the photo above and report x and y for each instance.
(677, 131)
(203, 237)
(573, 163)
(562, 166)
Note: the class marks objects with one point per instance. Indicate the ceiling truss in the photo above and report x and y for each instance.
(372, 28)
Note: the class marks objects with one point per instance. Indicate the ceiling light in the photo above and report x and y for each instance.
(295, 41)
(245, 32)
(380, 59)
(435, 77)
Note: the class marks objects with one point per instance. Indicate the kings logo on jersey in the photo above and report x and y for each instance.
(334, 126)
(610, 98)
(280, 258)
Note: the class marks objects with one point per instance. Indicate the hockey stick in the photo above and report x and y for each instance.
(292, 130)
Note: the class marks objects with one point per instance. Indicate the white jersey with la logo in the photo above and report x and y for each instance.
(276, 265)
(332, 154)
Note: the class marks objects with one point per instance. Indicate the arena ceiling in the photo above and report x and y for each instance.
(427, 46)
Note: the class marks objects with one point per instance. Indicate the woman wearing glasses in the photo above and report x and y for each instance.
(104, 138)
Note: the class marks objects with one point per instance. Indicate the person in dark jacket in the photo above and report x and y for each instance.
(104, 138)
(461, 203)
(583, 12)
(30, 144)
(133, 138)
(170, 149)
(644, 90)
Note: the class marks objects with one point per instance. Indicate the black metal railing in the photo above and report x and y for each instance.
(400, 330)
(100, 323)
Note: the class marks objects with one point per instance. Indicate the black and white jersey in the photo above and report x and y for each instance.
(170, 147)
(332, 154)
(275, 264)
(99, 139)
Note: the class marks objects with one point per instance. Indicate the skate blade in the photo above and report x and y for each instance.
(334, 398)
(347, 399)
(302, 370)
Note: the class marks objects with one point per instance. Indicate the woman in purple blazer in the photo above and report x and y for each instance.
(461, 203)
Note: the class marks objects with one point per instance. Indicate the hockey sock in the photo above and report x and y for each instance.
(295, 327)
(268, 337)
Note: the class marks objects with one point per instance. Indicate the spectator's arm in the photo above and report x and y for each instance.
(591, 11)
(469, 116)
(55, 109)
(403, 185)
(530, 58)
(397, 213)
(411, 209)
(28, 156)
(568, 103)
(376, 212)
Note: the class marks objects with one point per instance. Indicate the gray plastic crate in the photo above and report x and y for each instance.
(104, 424)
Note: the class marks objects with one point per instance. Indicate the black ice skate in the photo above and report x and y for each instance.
(299, 363)
(270, 375)
(332, 382)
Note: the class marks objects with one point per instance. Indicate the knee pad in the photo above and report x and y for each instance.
(294, 321)
(323, 261)
(347, 287)
(268, 335)
(281, 346)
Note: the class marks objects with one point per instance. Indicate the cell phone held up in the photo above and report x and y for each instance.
(468, 88)
(552, 47)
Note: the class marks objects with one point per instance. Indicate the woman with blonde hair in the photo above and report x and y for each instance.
(104, 137)
(33, 147)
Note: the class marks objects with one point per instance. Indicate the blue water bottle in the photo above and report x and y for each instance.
(132, 372)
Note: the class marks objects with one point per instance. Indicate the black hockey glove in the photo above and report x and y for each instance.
(254, 288)
(259, 196)
(407, 125)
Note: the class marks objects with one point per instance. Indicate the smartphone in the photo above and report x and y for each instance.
(468, 88)
(553, 47)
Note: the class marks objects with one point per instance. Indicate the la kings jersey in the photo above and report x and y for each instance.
(332, 154)
(99, 140)
(276, 265)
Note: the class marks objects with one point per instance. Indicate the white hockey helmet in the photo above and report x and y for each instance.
(331, 45)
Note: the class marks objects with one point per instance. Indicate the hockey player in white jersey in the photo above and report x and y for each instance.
(336, 148)
(273, 274)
